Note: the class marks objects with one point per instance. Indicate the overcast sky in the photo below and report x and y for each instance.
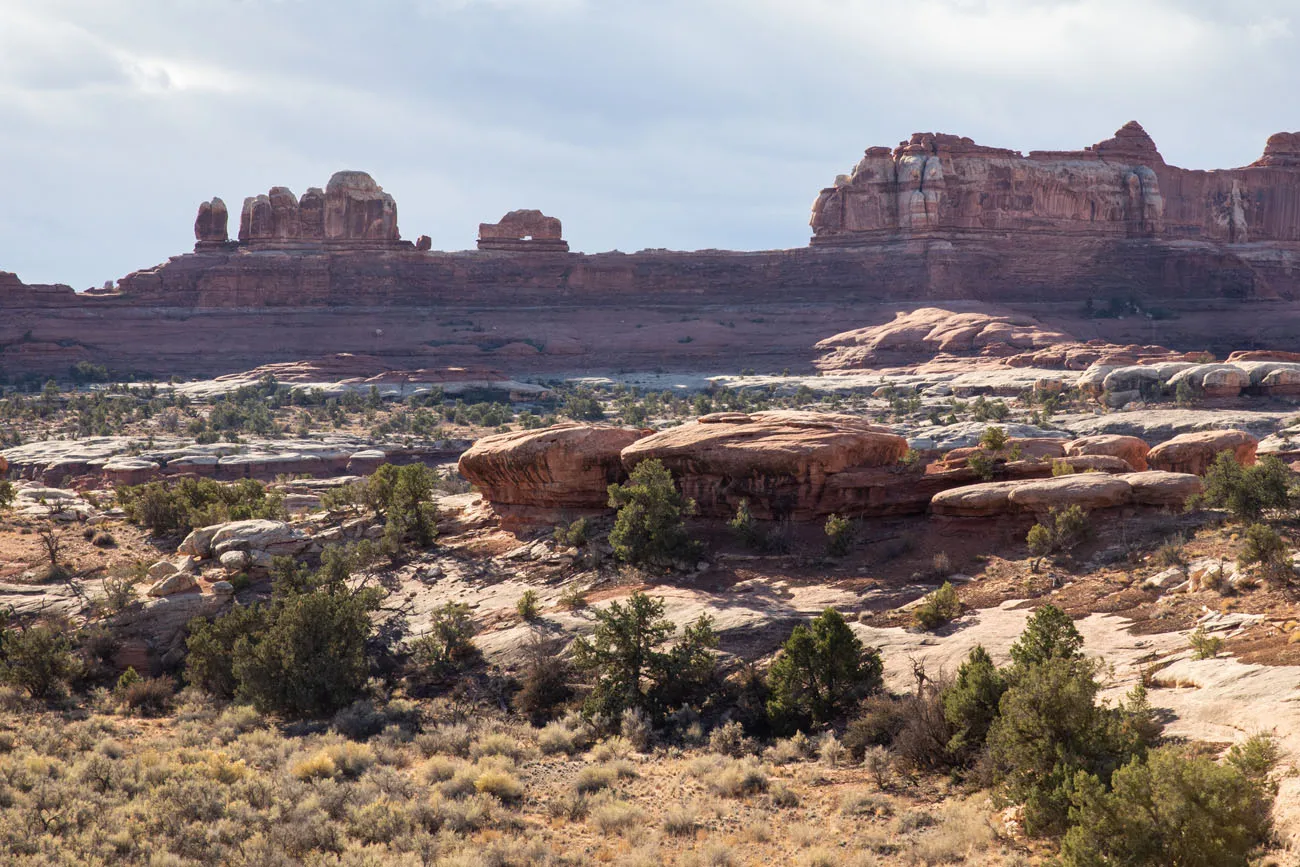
(640, 123)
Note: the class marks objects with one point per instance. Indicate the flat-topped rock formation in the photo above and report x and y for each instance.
(523, 231)
(937, 184)
(938, 219)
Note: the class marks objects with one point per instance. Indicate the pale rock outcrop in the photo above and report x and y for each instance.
(1194, 452)
(783, 462)
(129, 471)
(259, 540)
(177, 582)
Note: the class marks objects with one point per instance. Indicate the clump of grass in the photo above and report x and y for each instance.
(739, 779)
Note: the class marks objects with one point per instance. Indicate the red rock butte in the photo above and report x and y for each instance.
(937, 219)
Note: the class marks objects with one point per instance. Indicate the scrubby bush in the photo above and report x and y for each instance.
(37, 658)
(879, 720)
(821, 671)
(545, 682)
(1173, 808)
(1247, 493)
(970, 703)
(938, 608)
(1266, 549)
(401, 496)
(627, 653)
(839, 535)
(1064, 530)
(447, 648)
(650, 526)
(302, 654)
(1049, 725)
(746, 528)
(8, 493)
(175, 508)
(529, 605)
(1204, 645)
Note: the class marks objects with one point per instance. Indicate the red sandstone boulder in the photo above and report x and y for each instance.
(540, 474)
(1131, 450)
(1156, 488)
(1194, 452)
(782, 462)
(975, 501)
(1087, 490)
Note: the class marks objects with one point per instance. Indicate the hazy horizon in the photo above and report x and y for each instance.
(653, 123)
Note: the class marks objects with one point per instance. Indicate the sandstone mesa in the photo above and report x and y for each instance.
(937, 219)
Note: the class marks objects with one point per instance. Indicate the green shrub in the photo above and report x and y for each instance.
(1048, 634)
(1049, 725)
(1247, 493)
(938, 608)
(1174, 808)
(982, 465)
(175, 508)
(575, 535)
(627, 653)
(994, 439)
(1204, 645)
(746, 528)
(301, 654)
(448, 646)
(8, 493)
(401, 496)
(821, 671)
(529, 605)
(1265, 548)
(839, 535)
(1065, 530)
(37, 658)
(970, 703)
(650, 528)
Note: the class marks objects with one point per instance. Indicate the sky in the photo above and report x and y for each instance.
(686, 124)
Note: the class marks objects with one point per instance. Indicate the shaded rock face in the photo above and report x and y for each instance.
(783, 462)
(351, 209)
(937, 183)
(550, 474)
(525, 230)
(1194, 452)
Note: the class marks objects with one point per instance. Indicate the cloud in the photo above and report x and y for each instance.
(641, 123)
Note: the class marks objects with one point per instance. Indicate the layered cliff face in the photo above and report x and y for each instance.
(938, 219)
(938, 185)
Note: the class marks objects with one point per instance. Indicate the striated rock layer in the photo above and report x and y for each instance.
(937, 219)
